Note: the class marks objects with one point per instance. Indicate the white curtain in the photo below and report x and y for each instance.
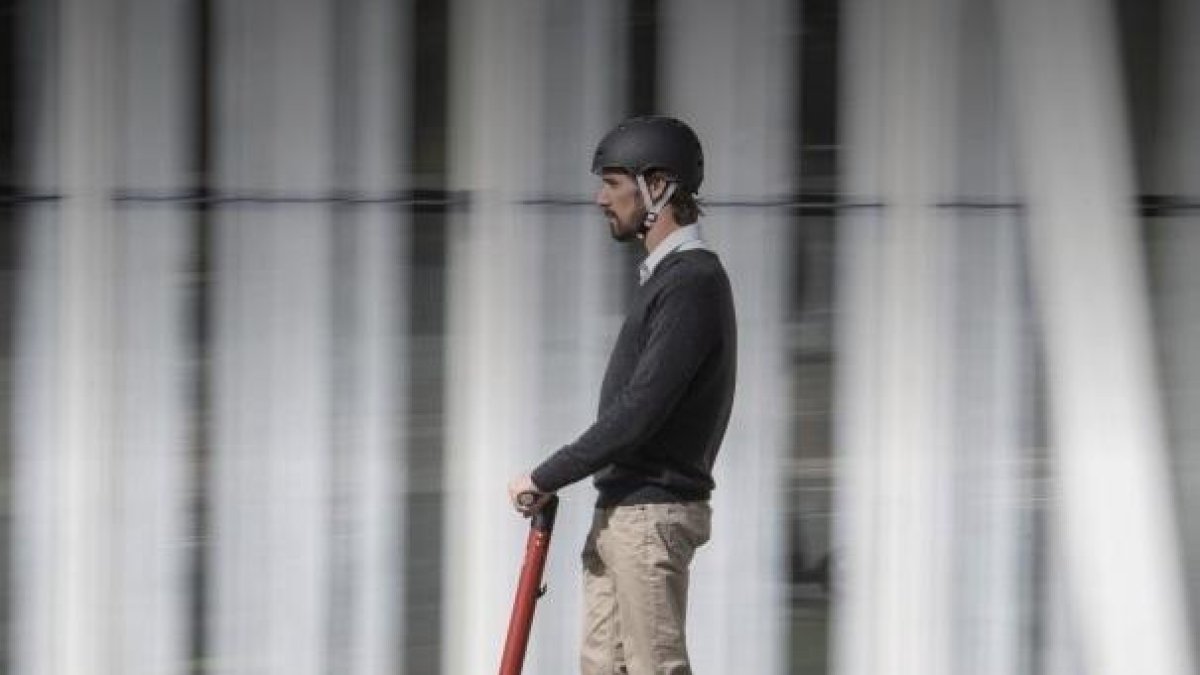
(308, 307)
(153, 266)
(370, 313)
(933, 411)
(100, 466)
(1112, 519)
(271, 345)
(896, 340)
(532, 310)
(936, 577)
(992, 403)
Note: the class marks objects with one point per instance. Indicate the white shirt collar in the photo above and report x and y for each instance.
(682, 239)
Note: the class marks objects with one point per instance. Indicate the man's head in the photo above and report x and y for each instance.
(646, 163)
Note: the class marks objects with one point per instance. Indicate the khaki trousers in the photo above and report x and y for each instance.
(635, 585)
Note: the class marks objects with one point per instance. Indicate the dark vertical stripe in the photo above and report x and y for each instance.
(1139, 36)
(201, 333)
(814, 171)
(8, 94)
(430, 40)
(1033, 418)
(9, 265)
(817, 94)
(642, 57)
(423, 541)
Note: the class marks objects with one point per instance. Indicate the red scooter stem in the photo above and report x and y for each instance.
(529, 588)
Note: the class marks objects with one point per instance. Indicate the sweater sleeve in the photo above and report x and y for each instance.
(681, 331)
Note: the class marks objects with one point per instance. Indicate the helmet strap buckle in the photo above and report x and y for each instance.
(653, 208)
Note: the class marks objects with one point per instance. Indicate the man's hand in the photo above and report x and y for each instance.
(523, 485)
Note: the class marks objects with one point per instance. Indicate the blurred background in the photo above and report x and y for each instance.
(291, 288)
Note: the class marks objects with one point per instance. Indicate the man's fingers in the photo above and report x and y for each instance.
(525, 496)
(529, 502)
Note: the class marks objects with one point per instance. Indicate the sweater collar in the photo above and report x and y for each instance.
(683, 239)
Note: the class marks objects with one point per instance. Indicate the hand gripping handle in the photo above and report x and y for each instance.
(529, 585)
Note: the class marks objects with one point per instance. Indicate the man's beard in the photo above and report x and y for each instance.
(622, 231)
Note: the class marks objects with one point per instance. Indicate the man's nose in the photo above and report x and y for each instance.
(601, 199)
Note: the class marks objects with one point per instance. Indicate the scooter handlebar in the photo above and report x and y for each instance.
(543, 518)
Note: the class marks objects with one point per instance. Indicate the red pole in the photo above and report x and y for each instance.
(529, 588)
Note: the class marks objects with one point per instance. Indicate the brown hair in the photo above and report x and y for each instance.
(683, 203)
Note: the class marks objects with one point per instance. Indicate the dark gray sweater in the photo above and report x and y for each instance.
(667, 393)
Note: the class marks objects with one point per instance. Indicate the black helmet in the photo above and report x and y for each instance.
(640, 144)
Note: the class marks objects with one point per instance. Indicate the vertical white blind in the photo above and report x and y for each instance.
(66, 532)
(894, 430)
(37, 430)
(152, 392)
(1113, 516)
(990, 412)
(369, 291)
(493, 320)
(310, 305)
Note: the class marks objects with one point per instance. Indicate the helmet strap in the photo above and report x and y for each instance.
(653, 208)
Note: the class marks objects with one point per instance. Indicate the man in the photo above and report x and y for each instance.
(664, 406)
